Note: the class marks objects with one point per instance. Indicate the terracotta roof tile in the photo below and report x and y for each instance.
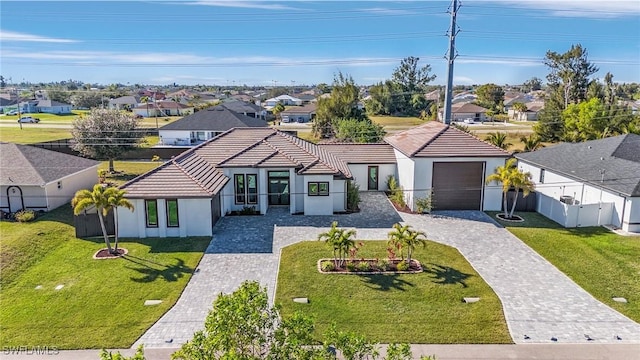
(361, 153)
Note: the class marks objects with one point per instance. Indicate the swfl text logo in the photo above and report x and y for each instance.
(30, 350)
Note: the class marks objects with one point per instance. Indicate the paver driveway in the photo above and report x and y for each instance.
(539, 301)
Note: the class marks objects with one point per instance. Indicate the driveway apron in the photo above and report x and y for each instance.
(541, 304)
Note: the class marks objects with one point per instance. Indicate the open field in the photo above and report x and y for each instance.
(417, 308)
(603, 263)
(127, 170)
(32, 133)
(102, 302)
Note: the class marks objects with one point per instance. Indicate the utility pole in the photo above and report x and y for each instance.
(451, 55)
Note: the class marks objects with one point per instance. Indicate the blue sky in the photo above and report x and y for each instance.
(307, 42)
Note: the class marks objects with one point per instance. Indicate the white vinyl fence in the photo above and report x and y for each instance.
(575, 215)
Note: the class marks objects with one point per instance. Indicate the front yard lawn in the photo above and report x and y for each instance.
(101, 303)
(414, 308)
(603, 263)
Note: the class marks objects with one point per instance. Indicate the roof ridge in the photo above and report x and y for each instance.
(313, 163)
(247, 148)
(484, 141)
(430, 140)
(316, 156)
(280, 151)
(198, 182)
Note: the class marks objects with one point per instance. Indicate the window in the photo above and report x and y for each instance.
(151, 211)
(252, 189)
(541, 176)
(240, 188)
(372, 183)
(172, 213)
(318, 188)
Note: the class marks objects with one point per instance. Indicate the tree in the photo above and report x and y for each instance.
(97, 198)
(532, 84)
(340, 240)
(342, 104)
(59, 95)
(498, 139)
(410, 81)
(116, 198)
(403, 237)
(87, 99)
(145, 100)
(277, 110)
(490, 96)
(531, 142)
(519, 107)
(108, 355)
(358, 131)
(569, 75)
(510, 176)
(105, 134)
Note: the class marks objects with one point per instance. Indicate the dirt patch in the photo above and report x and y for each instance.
(105, 254)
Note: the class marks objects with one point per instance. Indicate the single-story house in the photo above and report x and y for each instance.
(301, 114)
(243, 167)
(461, 111)
(264, 167)
(533, 109)
(591, 183)
(124, 103)
(203, 125)
(245, 108)
(163, 108)
(33, 178)
(448, 164)
(286, 100)
(45, 106)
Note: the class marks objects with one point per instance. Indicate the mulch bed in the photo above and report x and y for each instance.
(414, 267)
(515, 218)
(105, 254)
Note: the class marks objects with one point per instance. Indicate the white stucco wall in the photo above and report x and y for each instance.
(360, 173)
(631, 221)
(34, 198)
(84, 179)
(556, 185)
(174, 137)
(406, 176)
(320, 205)
(194, 218)
(339, 195)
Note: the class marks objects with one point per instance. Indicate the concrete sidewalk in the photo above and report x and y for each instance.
(441, 352)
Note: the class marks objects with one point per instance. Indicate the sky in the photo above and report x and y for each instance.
(285, 43)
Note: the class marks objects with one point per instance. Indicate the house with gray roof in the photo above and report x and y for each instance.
(591, 183)
(261, 167)
(203, 125)
(38, 179)
(244, 108)
(124, 102)
(45, 106)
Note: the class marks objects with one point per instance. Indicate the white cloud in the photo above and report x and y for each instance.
(578, 8)
(463, 80)
(22, 37)
(241, 4)
(386, 11)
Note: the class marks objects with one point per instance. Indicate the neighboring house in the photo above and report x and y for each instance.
(7, 105)
(244, 108)
(463, 111)
(449, 164)
(45, 106)
(286, 100)
(124, 103)
(204, 125)
(590, 183)
(369, 164)
(244, 167)
(38, 179)
(533, 109)
(163, 108)
(305, 97)
(301, 114)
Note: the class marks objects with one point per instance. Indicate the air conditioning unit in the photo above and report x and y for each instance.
(567, 199)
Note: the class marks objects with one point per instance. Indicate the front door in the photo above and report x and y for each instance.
(279, 188)
(372, 184)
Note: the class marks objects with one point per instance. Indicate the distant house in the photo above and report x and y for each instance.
(286, 100)
(462, 111)
(124, 103)
(245, 108)
(300, 114)
(45, 106)
(163, 108)
(38, 179)
(591, 183)
(305, 97)
(203, 125)
(531, 114)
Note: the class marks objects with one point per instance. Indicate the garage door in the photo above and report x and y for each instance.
(457, 185)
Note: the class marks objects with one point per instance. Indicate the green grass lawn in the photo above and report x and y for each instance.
(127, 170)
(415, 308)
(31, 134)
(603, 263)
(101, 304)
(397, 121)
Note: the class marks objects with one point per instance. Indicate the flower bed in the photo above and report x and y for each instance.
(369, 266)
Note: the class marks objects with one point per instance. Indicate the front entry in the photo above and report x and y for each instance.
(372, 183)
(279, 188)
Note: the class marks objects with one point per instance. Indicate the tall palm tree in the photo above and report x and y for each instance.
(97, 198)
(531, 142)
(115, 199)
(145, 100)
(504, 175)
(498, 139)
(520, 108)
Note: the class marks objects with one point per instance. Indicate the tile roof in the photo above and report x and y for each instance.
(29, 165)
(434, 139)
(618, 156)
(305, 109)
(241, 106)
(216, 118)
(198, 172)
(467, 108)
(362, 153)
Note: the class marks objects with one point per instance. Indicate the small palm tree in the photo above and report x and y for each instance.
(521, 181)
(396, 236)
(531, 142)
(412, 239)
(115, 199)
(340, 240)
(503, 175)
(498, 139)
(97, 198)
(145, 100)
